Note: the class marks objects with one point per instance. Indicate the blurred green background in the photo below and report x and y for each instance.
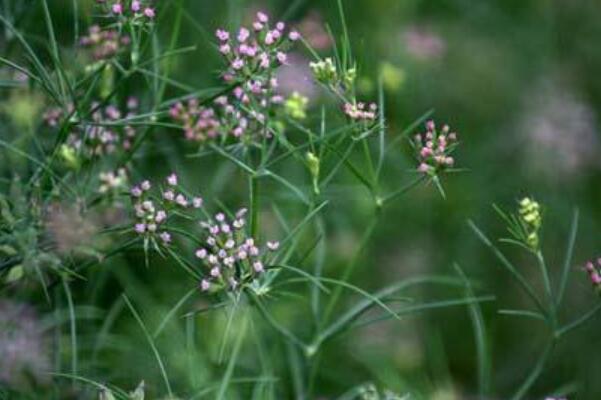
(519, 81)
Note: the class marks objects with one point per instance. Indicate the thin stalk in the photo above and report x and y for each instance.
(547, 283)
(536, 372)
(73, 327)
(575, 324)
(254, 205)
(351, 267)
(568, 258)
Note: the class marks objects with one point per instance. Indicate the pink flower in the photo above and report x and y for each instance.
(281, 57)
(222, 35)
(294, 36)
(145, 185)
(168, 195)
(149, 12)
(165, 237)
(136, 5)
(136, 191)
(201, 253)
(205, 285)
(262, 17)
(423, 167)
(264, 60)
(197, 202)
(243, 34)
(172, 179)
(117, 8)
(140, 228)
(238, 63)
(273, 246)
(181, 200)
(269, 39)
(258, 266)
(160, 216)
(225, 49)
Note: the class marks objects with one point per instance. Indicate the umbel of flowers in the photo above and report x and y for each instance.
(152, 212)
(251, 56)
(434, 148)
(232, 258)
(104, 44)
(98, 136)
(136, 10)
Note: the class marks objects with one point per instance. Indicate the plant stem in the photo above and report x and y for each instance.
(548, 290)
(254, 205)
(535, 374)
(351, 266)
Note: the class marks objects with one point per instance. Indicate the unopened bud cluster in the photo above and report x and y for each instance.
(104, 44)
(434, 148)
(152, 212)
(361, 111)
(531, 219)
(231, 257)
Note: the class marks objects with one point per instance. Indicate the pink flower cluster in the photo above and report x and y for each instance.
(243, 114)
(104, 44)
(361, 112)
(130, 8)
(53, 116)
(594, 272)
(232, 257)
(98, 137)
(434, 148)
(255, 51)
(152, 213)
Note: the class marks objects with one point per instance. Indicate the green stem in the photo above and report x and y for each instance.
(254, 205)
(535, 374)
(575, 324)
(351, 266)
(547, 283)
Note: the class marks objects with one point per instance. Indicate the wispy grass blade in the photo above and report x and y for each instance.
(480, 336)
(567, 264)
(227, 377)
(151, 343)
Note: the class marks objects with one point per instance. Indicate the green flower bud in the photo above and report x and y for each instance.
(296, 106)
(349, 77)
(69, 156)
(324, 71)
(392, 77)
(531, 219)
(313, 164)
(107, 82)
